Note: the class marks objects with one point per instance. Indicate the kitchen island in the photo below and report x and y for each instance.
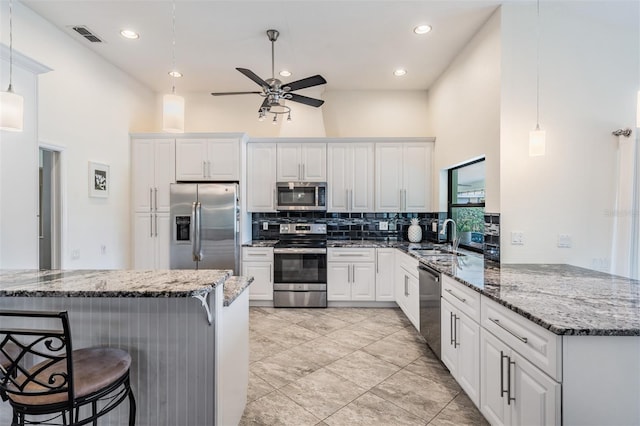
(186, 331)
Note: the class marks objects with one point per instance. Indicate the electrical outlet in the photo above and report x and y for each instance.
(564, 240)
(383, 226)
(265, 226)
(75, 254)
(517, 238)
(434, 226)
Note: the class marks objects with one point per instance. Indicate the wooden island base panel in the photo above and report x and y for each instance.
(186, 331)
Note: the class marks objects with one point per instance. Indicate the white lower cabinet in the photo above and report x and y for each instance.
(407, 288)
(461, 349)
(385, 274)
(514, 391)
(351, 274)
(257, 262)
(152, 237)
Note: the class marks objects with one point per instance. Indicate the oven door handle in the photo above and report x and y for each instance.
(299, 251)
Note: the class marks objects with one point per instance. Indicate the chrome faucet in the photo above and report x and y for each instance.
(454, 238)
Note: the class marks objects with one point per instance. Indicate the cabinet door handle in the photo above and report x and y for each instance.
(204, 168)
(151, 225)
(456, 296)
(452, 339)
(502, 389)
(150, 199)
(400, 195)
(302, 175)
(208, 168)
(455, 331)
(156, 219)
(270, 273)
(155, 198)
(275, 198)
(346, 199)
(497, 322)
(509, 397)
(377, 262)
(406, 286)
(299, 174)
(405, 200)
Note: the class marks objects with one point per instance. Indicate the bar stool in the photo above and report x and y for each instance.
(46, 381)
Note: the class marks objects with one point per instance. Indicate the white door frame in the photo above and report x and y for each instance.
(58, 204)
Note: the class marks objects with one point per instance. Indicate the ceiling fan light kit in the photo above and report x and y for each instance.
(11, 104)
(275, 92)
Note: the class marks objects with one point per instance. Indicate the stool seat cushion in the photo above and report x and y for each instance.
(93, 370)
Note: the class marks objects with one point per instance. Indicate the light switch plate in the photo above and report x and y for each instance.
(265, 226)
(384, 226)
(564, 240)
(434, 226)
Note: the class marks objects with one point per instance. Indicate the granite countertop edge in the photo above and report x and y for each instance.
(233, 288)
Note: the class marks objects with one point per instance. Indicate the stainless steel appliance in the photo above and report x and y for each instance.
(430, 288)
(306, 196)
(300, 266)
(204, 226)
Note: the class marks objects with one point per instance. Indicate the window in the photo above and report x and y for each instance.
(466, 203)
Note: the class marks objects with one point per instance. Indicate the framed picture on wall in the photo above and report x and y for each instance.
(99, 180)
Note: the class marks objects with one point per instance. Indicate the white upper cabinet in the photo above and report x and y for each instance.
(403, 176)
(215, 159)
(350, 177)
(261, 177)
(302, 162)
(153, 170)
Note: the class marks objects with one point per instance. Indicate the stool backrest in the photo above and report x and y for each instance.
(37, 365)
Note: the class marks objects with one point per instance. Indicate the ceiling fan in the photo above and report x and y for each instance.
(274, 90)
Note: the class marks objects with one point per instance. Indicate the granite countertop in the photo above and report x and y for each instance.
(233, 287)
(260, 243)
(565, 299)
(110, 283)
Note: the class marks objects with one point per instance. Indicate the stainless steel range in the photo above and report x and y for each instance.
(300, 266)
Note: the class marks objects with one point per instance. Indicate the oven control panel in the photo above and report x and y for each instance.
(303, 228)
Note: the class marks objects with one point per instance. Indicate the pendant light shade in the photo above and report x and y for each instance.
(537, 142)
(11, 104)
(11, 111)
(173, 113)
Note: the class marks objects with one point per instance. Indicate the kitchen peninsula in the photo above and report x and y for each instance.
(187, 332)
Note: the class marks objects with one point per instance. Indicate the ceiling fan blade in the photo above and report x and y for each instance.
(315, 80)
(234, 93)
(250, 74)
(304, 100)
(265, 105)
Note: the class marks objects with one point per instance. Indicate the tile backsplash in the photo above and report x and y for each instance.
(366, 226)
(492, 236)
(351, 226)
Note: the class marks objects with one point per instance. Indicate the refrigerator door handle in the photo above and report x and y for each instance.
(198, 236)
(193, 231)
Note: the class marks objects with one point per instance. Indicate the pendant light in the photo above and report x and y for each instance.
(11, 104)
(172, 104)
(537, 137)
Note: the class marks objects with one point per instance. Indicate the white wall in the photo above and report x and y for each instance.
(88, 107)
(464, 112)
(344, 114)
(589, 77)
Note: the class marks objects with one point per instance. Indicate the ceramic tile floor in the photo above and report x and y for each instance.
(347, 366)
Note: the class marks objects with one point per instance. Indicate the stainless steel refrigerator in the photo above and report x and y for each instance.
(204, 226)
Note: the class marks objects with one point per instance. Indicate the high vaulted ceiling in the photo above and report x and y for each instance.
(354, 44)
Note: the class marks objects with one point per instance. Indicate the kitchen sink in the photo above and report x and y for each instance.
(436, 252)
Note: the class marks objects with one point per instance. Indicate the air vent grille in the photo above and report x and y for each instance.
(87, 33)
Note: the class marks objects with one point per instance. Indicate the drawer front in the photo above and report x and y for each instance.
(539, 346)
(257, 254)
(408, 263)
(462, 297)
(351, 254)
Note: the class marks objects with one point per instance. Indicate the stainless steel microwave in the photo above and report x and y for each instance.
(305, 196)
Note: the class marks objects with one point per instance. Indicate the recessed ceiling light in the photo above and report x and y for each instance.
(285, 73)
(129, 34)
(399, 72)
(175, 73)
(422, 29)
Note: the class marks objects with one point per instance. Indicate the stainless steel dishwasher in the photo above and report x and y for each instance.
(430, 289)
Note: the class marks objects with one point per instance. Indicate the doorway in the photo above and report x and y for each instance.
(49, 209)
